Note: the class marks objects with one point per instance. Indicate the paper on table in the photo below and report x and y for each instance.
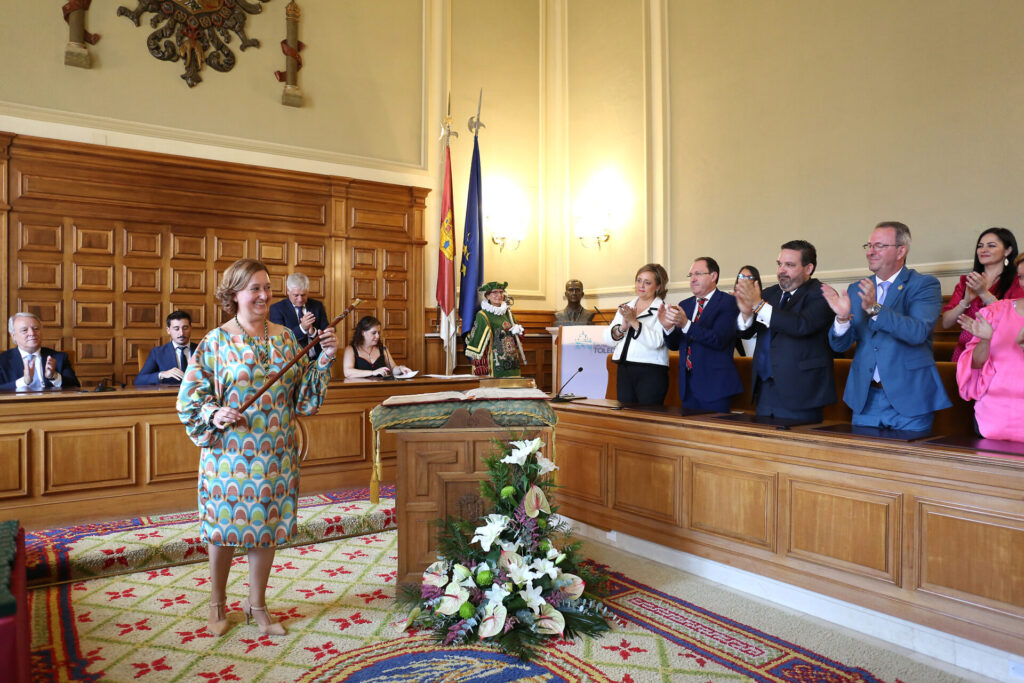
(408, 375)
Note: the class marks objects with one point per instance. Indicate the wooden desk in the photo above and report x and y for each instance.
(928, 533)
(69, 456)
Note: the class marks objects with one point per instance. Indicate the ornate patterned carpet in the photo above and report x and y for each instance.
(335, 597)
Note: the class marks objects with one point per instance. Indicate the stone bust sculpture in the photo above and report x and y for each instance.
(573, 313)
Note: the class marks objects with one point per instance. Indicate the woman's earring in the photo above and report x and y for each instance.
(1006, 261)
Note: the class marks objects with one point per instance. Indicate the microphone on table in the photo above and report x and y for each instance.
(559, 398)
(102, 386)
(598, 311)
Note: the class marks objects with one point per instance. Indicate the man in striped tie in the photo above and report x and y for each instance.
(703, 329)
(305, 317)
(167, 363)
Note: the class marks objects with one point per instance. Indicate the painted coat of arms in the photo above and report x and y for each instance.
(196, 31)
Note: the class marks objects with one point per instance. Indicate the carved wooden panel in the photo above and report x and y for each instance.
(142, 279)
(317, 288)
(94, 351)
(172, 455)
(186, 246)
(870, 520)
(79, 459)
(396, 289)
(142, 314)
(990, 574)
(396, 260)
(732, 502)
(364, 258)
(196, 311)
(309, 255)
(188, 281)
(36, 237)
(93, 240)
(582, 470)
(94, 314)
(141, 244)
(231, 249)
(364, 288)
(379, 219)
(133, 346)
(94, 277)
(647, 485)
(396, 319)
(41, 275)
(272, 251)
(333, 435)
(50, 313)
(13, 464)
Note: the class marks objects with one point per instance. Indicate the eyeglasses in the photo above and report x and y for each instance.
(744, 277)
(877, 246)
(697, 274)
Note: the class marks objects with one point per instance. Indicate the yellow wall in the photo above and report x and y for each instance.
(729, 126)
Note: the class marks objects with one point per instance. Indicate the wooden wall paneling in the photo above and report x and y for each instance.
(733, 502)
(14, 472)
(7, 251)
(647, 484)
(169, 454)
(91, 456)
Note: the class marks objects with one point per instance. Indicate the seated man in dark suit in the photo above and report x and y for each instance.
(31, 366)
(302, 315)
(703, 329)
(793, 376)
(166, 364)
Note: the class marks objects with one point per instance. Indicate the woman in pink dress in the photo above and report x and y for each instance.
(991, 369)
(992, 278)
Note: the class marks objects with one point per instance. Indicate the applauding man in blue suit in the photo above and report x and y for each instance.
(893, 380)
(305, 317)
(166, 364)
(32, 366)
(703, 329)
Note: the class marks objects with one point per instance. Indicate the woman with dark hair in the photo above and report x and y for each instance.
(745, 347)
(366, 355)
(993, 278)
(248, 463)
(639, 341)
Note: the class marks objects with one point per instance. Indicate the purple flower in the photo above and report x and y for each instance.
(510, 624)
(454, 632)
(555, 598)
(428, 592)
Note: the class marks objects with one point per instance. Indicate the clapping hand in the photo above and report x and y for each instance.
(672, 316)
(628, 314)
(838, 302)
(748, 294)
(868, 298)
(975, 286)
(50, 369)
(979, 327)
(306, 323)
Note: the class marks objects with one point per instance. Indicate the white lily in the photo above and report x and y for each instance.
(545, 465)
(494, 620)
(555, 556)
(509, 546)
(531, 594)
(451, 601)
(521, 450)
(550, 621)
(520, 573)
(509, 557)
(542, 566)
(496, 593)
(487, 534)
(436, 574)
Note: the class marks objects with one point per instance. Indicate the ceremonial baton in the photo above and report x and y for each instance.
(519, 344)
(280, 373)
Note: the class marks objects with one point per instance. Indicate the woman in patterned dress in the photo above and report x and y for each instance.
(248, 467)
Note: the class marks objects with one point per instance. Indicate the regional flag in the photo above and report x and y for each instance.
(472, 275)
(446, 267)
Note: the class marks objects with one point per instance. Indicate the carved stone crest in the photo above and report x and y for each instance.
(196, 31)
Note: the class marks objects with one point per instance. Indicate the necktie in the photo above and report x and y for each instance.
(786, 296)
(696, 317)
(182, 358)
(37, 375)
(882, 288)
(299, 312)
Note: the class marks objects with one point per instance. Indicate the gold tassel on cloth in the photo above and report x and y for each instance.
(376, 472)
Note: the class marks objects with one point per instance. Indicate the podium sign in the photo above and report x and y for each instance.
(582, 346)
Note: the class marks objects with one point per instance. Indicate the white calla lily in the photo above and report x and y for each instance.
(536, 502)
(494, 620)
(451, 601)
(550, 621)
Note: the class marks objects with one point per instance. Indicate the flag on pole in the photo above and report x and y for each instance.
(472, 273)
(446, 267)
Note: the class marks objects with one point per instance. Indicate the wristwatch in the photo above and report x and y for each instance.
(875, 309)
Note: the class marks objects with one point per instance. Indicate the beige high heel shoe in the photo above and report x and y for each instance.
(271, 628)
(218, 627)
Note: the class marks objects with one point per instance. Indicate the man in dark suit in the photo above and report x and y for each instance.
(792, 364)
(703, 329)
(893, 380)
(166, 364)
(31, 366)
(302, 315)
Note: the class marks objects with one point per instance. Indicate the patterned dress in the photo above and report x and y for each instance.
(249, 471)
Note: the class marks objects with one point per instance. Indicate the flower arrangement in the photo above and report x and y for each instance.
(516, 580)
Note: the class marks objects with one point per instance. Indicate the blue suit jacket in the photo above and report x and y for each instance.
(159, 359)
(899, 341)
(283, 313)
(712, 339)
(12, 369)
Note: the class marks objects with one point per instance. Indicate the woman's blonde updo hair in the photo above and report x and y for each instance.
(236, 277)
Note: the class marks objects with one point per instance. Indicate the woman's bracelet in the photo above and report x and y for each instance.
(617, 329)
(840, 319)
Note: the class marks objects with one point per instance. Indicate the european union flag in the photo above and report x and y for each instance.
(472, 272)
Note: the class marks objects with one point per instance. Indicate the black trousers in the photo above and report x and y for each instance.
(641, 383)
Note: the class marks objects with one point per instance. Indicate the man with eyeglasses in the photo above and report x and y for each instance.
(31, 366)
(792, 365)
(703, 329)
(893, 380)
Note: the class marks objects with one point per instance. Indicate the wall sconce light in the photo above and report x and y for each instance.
(591, 230)
(506, 217)
(603, 205)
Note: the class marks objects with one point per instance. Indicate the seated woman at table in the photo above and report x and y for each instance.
(992, 278)
(991, 369)
(640, 349)
(366, 355)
